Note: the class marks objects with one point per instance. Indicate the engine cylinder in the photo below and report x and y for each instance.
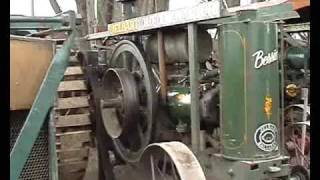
(250, 90)
(179, 104)
(176, 46)
(179, 101)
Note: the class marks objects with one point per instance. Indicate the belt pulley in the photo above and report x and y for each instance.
(128, 102)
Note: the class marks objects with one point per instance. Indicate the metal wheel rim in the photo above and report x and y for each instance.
(299, 173)
(128, 46)
(179, 157)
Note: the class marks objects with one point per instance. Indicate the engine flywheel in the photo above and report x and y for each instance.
(128, 102)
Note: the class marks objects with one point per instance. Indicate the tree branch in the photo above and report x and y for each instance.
(55, 6)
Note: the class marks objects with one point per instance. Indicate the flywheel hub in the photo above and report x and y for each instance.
(120, 104)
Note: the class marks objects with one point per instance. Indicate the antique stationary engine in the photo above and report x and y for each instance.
(210, 90)
(158, 82)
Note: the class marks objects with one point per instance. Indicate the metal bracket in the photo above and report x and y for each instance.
(63, 20)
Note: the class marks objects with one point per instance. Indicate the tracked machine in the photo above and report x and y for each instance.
(191, 93)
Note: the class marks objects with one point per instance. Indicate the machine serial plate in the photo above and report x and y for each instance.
(265, 137)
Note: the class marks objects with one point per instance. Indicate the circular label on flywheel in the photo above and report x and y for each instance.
(265, 137)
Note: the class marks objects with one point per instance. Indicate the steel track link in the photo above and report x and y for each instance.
(72, 123)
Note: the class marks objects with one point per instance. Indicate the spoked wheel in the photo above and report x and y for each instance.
(128, 103)
(299, 173)
(293, 137)
(171, 161)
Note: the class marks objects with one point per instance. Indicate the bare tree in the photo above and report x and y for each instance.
(82, 9)
(104, 12)
(55, 6)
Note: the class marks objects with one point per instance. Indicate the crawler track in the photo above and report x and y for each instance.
(72, 123)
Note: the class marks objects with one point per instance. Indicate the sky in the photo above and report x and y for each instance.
(42, 7)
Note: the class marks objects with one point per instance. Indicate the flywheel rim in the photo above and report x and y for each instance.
(136, 52)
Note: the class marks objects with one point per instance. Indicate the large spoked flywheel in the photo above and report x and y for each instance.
(128, 103)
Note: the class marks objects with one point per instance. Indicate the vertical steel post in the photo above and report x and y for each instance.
(162, 67)
(202, 145)
(32, 7)
(53, 163)
(194, 84)
(304, 119)
(282, 141)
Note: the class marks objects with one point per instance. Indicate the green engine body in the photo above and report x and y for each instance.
(179, 104)
(249, 93)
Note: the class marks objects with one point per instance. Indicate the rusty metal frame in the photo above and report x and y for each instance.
(194, 66)
(300, 27)
(207, 13)
(63, 21)
(27, 23)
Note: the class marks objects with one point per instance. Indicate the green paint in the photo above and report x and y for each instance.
(64, 21)
(244, 87)
(34, 25)
(278, 12)
(297, 56)
(179, 110)
(27, 23)
(39, 109)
